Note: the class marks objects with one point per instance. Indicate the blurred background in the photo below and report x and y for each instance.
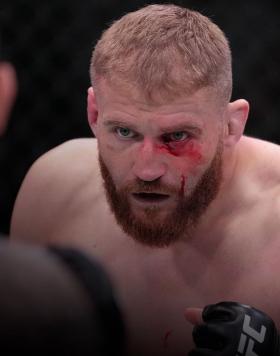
(50, 44)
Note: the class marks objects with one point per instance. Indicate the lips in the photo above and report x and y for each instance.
(150, 197)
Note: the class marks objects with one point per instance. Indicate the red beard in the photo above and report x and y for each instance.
(152, 230)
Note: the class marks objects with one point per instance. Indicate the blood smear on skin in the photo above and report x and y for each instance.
(165, 339)
(184, 149)
(183, 183)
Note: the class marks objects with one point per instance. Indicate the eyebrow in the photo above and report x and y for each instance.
(170, 128)
(119, 123)
(181, 127)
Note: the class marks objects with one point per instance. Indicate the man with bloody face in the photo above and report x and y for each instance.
(175, 201)
(150, 116)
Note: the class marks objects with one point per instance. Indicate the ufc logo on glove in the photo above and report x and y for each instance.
(253, 335)
(234, 329)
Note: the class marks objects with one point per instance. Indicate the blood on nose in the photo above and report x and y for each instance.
(184, 149)
(148, 164)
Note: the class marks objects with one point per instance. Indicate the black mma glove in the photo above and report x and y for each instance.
(233, 329)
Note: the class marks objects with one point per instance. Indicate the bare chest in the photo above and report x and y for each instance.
(154, 289)
(153, 302)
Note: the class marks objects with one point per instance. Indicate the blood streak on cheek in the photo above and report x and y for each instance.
(189, 150)
(183, 184)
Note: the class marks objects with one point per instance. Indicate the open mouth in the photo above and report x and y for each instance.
(150, 197)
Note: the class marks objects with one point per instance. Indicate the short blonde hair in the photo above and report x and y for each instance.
(166, 50)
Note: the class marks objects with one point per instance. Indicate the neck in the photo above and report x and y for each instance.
(230, 163)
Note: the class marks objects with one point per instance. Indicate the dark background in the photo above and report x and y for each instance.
(50, 44)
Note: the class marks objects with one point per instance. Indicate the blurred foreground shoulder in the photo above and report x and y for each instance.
(52, 182)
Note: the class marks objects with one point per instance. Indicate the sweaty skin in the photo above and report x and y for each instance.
(232, 254)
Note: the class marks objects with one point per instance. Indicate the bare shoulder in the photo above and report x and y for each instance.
(262, 158)
(264, 149)
(51, 184)
(65, 166)
(71, 155)
(261, 169)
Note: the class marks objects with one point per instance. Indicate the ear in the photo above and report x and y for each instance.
(92, 112)
(8, 89)
(237, 115)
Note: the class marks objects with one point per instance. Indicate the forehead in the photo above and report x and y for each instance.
(125, 101)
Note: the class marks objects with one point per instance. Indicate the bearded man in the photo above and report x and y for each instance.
(179, 206)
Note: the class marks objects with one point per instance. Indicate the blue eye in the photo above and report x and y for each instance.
(124, 132)
(177, 136)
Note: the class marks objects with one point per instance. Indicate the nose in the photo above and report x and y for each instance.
(148, 164)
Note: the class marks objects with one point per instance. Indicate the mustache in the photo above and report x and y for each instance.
(156, 186)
